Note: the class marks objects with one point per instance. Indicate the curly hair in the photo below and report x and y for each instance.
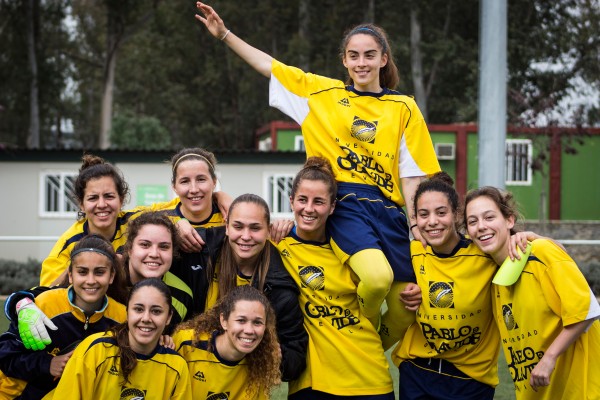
(264, 362)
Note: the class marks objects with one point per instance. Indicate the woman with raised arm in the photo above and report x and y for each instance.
(377, 143)
(545, 310)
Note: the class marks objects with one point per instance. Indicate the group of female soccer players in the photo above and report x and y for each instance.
(191, 298)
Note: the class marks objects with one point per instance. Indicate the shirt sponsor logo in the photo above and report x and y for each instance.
(339, 317)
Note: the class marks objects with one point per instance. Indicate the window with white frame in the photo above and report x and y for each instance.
(518, 161)
(299, 143)
(278, 188)
(56, 190)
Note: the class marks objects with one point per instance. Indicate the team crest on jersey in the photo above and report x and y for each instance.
(312, 277)
(441, 294)
(508, 317)
(364, 131)
(217, 396)
(132, 394)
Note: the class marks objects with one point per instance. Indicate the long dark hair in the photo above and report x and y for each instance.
(264, 361)
(388, 74)
(228, 266)
(121, 331)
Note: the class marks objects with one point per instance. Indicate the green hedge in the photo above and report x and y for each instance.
(19, 275)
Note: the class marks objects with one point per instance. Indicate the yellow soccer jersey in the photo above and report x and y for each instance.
(345, 355)
(365, 136)
(93, 373)
(60, 255)
(173, 209)
(455, 320)
(10, 388)
(550, 293)
(211, 375)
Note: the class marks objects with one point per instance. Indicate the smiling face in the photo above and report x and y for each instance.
(437, 221)
(101, 205)
(247, 231)
(194, 185)
(151, 253)
(363, 58)
(488, 228)
(148, 313)
(244, 330)
(312, 206)
(90, 274)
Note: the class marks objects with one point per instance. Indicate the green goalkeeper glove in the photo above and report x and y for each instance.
(32, 323)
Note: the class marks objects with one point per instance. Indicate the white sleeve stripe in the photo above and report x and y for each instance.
(294, 106)
(594, 311)
(408, 166)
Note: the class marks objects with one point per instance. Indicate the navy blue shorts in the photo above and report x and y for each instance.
(434, 378)
(364, 219)
(309, 394)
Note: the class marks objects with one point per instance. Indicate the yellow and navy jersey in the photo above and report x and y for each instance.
(212, 376)
(182, 300)
(192, 268)
(551, 293)
(455, 320)
(173, 209)
(60, 255)
(73, 326)
(369, 138)
(93, 372)
(345, 355)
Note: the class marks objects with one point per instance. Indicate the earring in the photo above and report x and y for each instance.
(80, 214)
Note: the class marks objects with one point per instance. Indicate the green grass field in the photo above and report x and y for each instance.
(504, 391)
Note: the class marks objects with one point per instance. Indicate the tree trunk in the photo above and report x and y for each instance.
(107, 100)
(371, 12)
(303, 34)
(416, 61)
(33, 139)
